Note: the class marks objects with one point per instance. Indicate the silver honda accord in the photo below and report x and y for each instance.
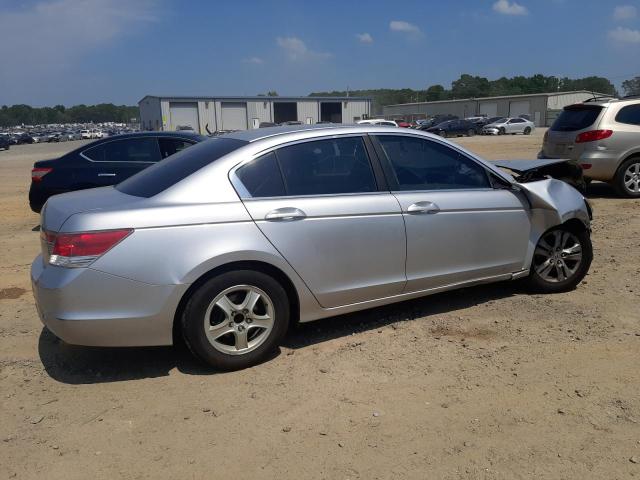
(230, 241)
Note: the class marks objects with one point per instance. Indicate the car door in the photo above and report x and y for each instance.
(516, 125)
(115, 160)
(459, 227)
(322, 206)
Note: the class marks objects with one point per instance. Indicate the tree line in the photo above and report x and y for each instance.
(470, 86)
(467, 86)
(104, 112)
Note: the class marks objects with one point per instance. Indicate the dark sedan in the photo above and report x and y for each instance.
(5, 144)
(454, 128)
(104, 162)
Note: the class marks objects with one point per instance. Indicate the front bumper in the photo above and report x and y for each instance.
(83, 306)
(490, 131)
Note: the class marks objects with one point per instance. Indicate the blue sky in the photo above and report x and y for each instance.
(91, 51)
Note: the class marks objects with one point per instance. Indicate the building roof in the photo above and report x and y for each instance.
(548, 94)
(255, 98)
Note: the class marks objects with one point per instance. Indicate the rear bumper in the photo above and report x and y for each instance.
(83, 306)
(597, 165)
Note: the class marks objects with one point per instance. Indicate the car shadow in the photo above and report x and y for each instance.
(77, 365)
(601, 190)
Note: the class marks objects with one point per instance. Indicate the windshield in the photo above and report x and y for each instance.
(577, 117)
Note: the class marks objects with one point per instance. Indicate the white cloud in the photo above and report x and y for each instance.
(625, 35)
(402, 26)
(505, 7)
(296, 50)
(254, 60)
(364, 37)
(625, 12)
(40, 40)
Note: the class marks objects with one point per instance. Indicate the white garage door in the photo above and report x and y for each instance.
(183, 114)
(490, 109)
(519, 108)
(234, 116)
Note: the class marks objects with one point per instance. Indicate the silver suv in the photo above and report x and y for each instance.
(603, 137)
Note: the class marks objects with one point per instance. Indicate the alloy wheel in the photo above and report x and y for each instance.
(631, 178)
(239, 319)
(557, 256)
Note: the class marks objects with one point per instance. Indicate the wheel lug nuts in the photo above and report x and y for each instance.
(249, 320)
(231, 324)
(240, 328)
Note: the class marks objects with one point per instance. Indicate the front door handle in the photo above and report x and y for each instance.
(286, 214)
(423, 207)
(106, 174)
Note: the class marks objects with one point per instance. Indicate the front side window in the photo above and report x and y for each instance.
(137, 150)
(332, 166)
(169, 146)
(629, 114)
(417, 164)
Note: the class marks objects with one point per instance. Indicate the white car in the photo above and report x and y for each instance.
(509, 125)
(378, 121)
(95, 133)
(86, 134)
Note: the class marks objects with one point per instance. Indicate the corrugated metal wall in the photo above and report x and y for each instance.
(558, 102)
(352, 111)
(259, 110)
(150, 114)
(308, 111)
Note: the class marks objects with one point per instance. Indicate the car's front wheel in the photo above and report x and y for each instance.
(527, 131)
(235, 320)
(501, 131)
(561, 259)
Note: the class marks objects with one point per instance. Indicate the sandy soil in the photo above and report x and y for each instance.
(483, 383)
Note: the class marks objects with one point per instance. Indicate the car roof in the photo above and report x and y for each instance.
(312, 131)
(182, 134)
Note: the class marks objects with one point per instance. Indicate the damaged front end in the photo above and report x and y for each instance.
(526, 171)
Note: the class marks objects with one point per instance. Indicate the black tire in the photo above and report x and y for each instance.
(501, 131)
(443, 133)
(527, 131)
(192, 321)
(538, 283)
(619, 179)
(471, 132)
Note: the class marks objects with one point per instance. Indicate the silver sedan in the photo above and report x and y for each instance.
(230, 241)
(509, 126)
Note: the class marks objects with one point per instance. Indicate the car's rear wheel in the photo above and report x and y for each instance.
(561, 259)
(527, 131)
(236, 320)
(443, 133)
(471, 132)
(627, 179)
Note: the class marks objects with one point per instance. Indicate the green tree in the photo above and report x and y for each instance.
(435, 93)
(631, 86)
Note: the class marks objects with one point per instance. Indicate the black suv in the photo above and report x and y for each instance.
(104, 162)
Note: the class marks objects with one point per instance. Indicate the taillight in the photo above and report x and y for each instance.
(593, 135)
(81, 249)
(38, 173)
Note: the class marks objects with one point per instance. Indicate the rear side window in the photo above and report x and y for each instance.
(262, 177)
(418, 164)
(576, 118)
(139, 150)
(169, 146)
(333, 166)
(629, 114)
(170, 171)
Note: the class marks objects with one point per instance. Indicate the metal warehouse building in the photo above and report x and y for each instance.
(209, 114)
(542, 108)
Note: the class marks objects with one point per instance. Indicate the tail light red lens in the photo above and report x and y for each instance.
(81, 249)
(38, 173)
(593, 135)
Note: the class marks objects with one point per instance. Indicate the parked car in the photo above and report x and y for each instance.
(5, 144)
(453, 128)
(229, 241)
(403, 124)
(509, 126)
(104, 162)
(378, 121)
(603, 137)
(86, 134)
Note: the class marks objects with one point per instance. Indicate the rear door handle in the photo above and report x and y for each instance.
(423, 207)
(286, 214)
(106, 174)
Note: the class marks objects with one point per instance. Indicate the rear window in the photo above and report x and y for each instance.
(170, 171)
(576, 118)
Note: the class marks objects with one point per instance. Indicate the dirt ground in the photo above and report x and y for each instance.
(482, 383)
